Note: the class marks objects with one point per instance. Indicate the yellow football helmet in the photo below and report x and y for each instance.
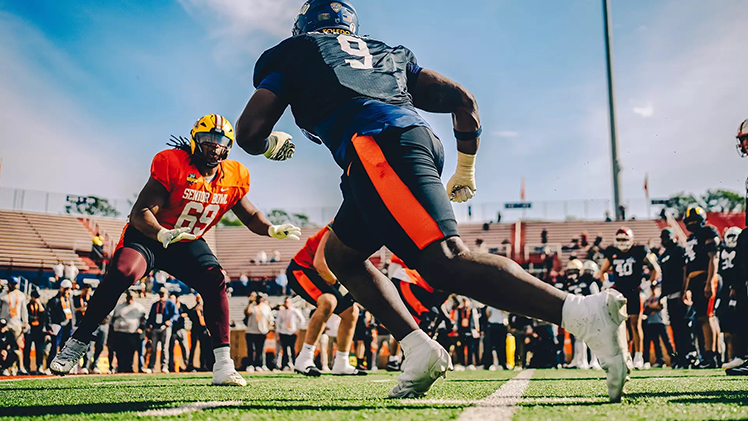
(695, 217)
(575, 265)
(211, 139)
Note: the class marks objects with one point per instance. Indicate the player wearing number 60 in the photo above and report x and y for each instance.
(191, 187)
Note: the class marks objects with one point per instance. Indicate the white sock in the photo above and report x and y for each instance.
(223, 358)
(341, 358)
(638, 355)
(413, 340)
(306, 353)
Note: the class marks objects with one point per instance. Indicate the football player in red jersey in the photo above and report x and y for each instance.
(190, 188)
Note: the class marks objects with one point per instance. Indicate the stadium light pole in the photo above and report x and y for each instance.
(612, 110)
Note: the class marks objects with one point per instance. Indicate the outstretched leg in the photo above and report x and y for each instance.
(127, 266)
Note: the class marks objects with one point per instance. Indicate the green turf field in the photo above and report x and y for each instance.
(551, 394)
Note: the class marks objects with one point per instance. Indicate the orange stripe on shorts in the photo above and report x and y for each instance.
(713, 298)
(307, 284)
(411, 299)
(408, 212)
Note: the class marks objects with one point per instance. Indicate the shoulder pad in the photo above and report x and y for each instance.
(269, 61)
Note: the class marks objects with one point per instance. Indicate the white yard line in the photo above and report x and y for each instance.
(501, 404)
(179, 410)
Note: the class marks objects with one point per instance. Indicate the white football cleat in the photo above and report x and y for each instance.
(736, 362)
(68, 357)
(346, 370)
(228, 377)
(638, 362)
(598, 320)
(421, 368)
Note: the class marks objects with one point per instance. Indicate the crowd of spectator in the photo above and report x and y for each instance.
(477, 336)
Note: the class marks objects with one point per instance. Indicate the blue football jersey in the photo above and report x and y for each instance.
(339, 85)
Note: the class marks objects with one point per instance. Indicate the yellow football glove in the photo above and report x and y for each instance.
(166, 237)
(284, 231)
(280, 147)
(461, 187)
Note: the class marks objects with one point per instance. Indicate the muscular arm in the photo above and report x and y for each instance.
(143, 215)
(437, 93)
(654, 268)
(263, 110)
(604, 270)
(320, 264)
(251, 217)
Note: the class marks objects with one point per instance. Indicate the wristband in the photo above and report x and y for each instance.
(468, 135)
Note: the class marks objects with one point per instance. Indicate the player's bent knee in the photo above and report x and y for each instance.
(326, 303)
(438, 262)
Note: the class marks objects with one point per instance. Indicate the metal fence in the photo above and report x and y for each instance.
(472, 212)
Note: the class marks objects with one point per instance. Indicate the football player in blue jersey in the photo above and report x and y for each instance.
(742, 245)
(358, 96)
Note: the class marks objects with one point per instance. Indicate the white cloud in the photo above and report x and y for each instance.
(505, 133)
(243, 17)
(646, 111)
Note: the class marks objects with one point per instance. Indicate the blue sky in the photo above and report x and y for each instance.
(94, 89)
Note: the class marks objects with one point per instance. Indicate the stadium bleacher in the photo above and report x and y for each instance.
(33, 240)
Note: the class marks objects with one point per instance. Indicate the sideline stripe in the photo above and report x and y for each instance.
(501, 404)
(179, 410)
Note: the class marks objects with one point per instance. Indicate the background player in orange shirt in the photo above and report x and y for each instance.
(309, 276)
(191, 187)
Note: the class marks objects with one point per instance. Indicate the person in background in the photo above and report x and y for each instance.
(673, 264)
(60, 317)
(179, 333)
(128, 326)
(261, 258)
(17, 315)
(480, 246)
(259, 319)
(519, 325)
(160, 319)
(80, 304)
(276, 256)
(96, 347)
(363, 336)
(8, 348)
(71, 272)
(199, 335)
(655, 327)
(467, 330)
(495, 339)
(59, 271)
(281, 281)
(732, 308)
(35, 333)
(288, 322)
(97, 249)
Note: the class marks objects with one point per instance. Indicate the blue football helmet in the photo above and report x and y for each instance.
(335, 16)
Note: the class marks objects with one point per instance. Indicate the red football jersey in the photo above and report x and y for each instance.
(305, 256)
(193, 202)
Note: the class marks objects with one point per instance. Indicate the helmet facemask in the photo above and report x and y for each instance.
(731, 237)
(212, 148)
(742, 145)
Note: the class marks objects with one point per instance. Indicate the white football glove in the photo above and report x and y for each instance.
(461, 187)
(280, 147)
(284, 231)
(166, 237)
